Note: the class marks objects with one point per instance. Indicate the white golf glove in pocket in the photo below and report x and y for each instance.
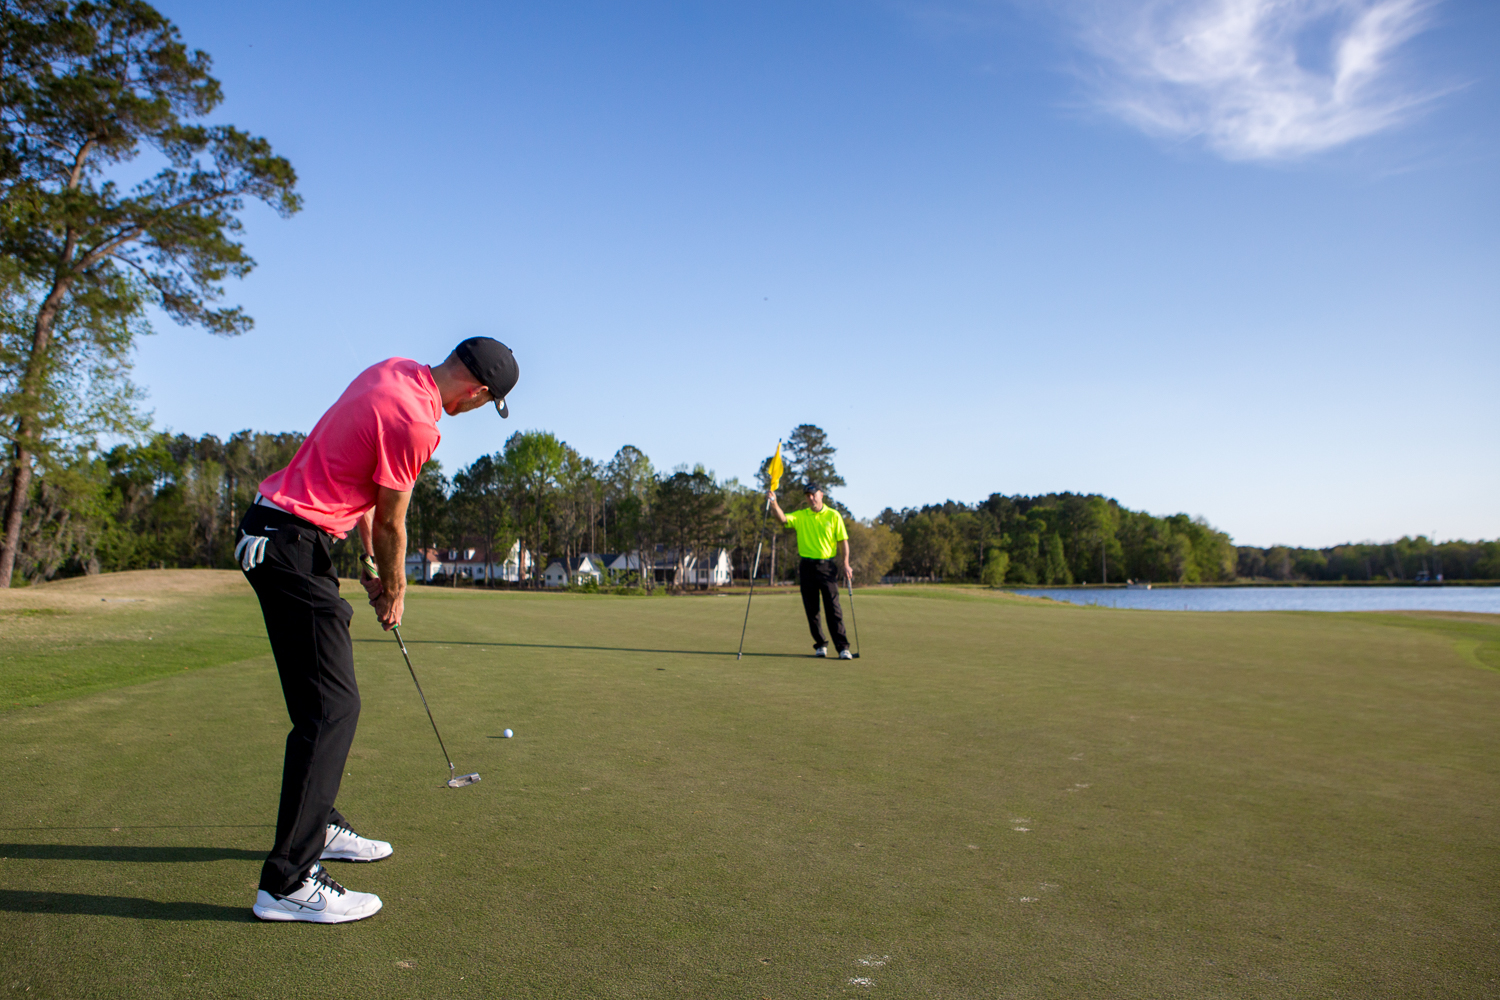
(250, 551)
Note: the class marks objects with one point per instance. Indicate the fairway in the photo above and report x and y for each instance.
(1003, 797)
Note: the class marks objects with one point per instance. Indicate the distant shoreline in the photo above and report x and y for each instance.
(1221, 584)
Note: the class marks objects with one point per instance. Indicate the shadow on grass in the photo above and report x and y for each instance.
(597, 649)
(78, 904)
(116, 829)
(147, 855)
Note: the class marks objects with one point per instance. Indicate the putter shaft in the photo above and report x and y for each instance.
(852, 620)
(407, 658)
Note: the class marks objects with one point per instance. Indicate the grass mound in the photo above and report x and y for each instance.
(1001, 798)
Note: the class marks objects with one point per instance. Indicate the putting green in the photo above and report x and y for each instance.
(1002, 798)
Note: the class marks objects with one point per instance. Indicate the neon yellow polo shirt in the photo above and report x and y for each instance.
(818, 534)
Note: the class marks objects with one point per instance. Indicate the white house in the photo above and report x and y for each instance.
(425, 564)
(575, 570)
(710, 569)
(617, 562)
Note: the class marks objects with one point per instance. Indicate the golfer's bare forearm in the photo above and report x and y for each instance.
(390, 549)
(388, 530)
(776, 509)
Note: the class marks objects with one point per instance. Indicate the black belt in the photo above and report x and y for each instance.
(281, 512)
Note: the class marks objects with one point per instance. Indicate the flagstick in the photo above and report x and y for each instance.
(773, 476)
(754, 568)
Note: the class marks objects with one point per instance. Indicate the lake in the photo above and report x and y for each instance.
(1482, 599)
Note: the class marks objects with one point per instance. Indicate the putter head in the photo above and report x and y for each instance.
(462, 780)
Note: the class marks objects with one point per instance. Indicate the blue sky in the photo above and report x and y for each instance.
(1235, 258)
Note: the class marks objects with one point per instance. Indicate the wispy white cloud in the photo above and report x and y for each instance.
(1255, 79)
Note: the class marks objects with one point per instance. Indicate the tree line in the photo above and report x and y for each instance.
(1058, 538)
(173, 500)
(1418, 559)
(176, 501)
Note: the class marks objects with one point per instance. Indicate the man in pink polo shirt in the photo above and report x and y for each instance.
(355, 470)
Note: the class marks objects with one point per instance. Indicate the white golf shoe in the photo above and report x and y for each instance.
(844, 654)
(343, 844)
(318, 900)
(821, 651)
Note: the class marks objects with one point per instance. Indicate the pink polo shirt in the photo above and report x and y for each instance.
(379, 433)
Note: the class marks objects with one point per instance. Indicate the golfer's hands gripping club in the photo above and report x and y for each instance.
(369, 578)
(373, 588)
(389, 608)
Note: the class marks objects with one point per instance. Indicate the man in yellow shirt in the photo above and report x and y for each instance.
(820, 533)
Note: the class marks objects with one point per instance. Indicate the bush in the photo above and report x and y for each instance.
(873, 550)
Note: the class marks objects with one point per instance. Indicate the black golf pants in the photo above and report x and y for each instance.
(308, 624)
(820, 580)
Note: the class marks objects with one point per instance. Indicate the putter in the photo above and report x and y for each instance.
(852, 620)
(454, 780)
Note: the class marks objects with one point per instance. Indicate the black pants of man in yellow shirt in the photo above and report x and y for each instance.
(820, 580)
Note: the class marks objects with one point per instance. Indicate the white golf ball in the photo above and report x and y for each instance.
(509, 734)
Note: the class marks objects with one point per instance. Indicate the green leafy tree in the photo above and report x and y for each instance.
(810, 456)
(689, 509)
(632, 486)
(745, 521)
(1055, 568)
(572, 513)
(873, 550)
(532, 463)
(588, 490)
(1099, 524)
(932, 546)
(479, 506)
(84, 88)
(148, 511)
(80, 390)
(249, 457)
(996, 565)
(70, 518)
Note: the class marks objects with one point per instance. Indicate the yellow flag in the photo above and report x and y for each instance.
(775, 468)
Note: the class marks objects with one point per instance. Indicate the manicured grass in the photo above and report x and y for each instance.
(103, 632)
(1002, 798)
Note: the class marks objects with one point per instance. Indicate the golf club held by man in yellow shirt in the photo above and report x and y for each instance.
(820, 536)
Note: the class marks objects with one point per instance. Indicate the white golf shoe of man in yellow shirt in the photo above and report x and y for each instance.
(318, 900)
(343, 844)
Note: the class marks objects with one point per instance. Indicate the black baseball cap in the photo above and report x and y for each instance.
(491, 363)
(811, 487)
